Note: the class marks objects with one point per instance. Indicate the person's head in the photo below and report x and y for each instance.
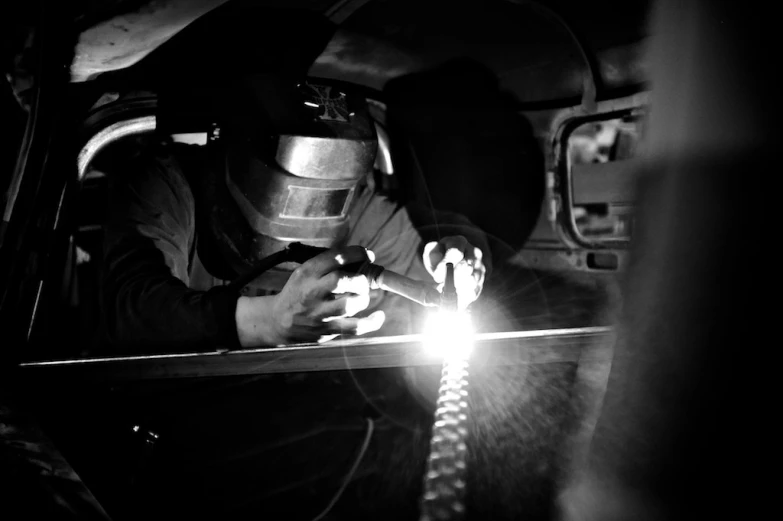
(295, 153)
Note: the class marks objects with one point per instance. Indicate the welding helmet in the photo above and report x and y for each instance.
(294, 156)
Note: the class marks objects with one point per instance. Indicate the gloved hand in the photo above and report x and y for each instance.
(469, 270)
(317, 303)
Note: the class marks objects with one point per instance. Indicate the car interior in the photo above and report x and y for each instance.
(562, 181)
(513, 128)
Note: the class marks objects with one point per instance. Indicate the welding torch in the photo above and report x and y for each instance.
(379, 277)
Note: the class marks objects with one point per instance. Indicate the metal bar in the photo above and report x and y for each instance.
(109, 135)
(502, 348)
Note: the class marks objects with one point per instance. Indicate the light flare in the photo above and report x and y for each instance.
(448, 334)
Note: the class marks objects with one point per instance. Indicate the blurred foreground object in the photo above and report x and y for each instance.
(680, 431)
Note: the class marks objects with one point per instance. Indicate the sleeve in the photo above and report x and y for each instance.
(149, 236)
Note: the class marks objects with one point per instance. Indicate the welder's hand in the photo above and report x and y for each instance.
(317, 303)
(469, 270)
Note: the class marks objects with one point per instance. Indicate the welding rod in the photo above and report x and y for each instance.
(449, 296)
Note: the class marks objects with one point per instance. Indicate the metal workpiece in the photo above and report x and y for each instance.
(542, 346)
(444, 478)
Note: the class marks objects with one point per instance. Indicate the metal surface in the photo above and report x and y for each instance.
(110, 134)
(501, 348)
(326, 157)
(326, 145)
(280, 207)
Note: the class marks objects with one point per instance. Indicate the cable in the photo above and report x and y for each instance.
(349, 476)
(294, 252)
(265, 264)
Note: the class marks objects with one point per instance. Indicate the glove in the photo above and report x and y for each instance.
(469, 270)
(317, 303)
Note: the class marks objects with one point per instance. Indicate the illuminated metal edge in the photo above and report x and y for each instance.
(503, 348)
(112, 133)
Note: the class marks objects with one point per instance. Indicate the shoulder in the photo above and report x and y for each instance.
(158, 157)
(152, 171)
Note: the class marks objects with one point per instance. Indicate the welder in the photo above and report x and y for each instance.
(289, 160)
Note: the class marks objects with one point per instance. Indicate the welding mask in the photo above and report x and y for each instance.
(294, 157)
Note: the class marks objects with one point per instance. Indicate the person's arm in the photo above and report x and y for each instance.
(399, 235)
(147, 301)
(147, 248)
